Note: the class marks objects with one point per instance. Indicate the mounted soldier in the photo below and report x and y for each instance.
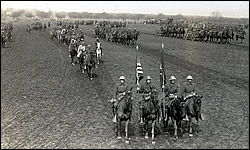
(146, 89)
(120, 90)
(188, 91)
(171, 90)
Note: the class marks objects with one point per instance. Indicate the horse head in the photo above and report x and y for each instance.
(197, 103)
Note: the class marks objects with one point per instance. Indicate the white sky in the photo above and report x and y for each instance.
(235, 9)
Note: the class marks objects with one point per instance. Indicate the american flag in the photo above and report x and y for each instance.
(138, 70)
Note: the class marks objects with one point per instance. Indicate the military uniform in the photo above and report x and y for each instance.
(188, 89)
(171, 91)
(119, 92)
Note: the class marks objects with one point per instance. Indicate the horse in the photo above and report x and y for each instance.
(90, 63)
(150, 113)
(230, 35)
(193, 110)
(123, 113)
(73, 51)
(82, 58)
(3, 40)
(9, 36)
(98, 52)
(176, 111)
(240, 35)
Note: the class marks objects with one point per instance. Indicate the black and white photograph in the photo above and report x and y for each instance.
(124, 74)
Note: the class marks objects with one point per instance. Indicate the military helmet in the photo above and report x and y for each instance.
(189, 77)
(148, 78)
(172, 78)
(122, 78)
(89, 45)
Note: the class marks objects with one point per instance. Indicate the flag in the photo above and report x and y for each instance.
(138, 70)
(162, 70)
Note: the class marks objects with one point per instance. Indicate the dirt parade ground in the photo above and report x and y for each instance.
(46, 102)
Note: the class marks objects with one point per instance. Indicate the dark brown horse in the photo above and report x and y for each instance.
(193, 110)
(176, 111)
(90, 63)
(123, 113)
(150, 113)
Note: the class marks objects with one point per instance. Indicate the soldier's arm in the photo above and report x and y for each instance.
(141, 89)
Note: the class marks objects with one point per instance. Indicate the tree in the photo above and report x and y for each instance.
(29, 14)
(42, 14)
(17, 14)
(160, 16)
(60, 15)
(216, 14)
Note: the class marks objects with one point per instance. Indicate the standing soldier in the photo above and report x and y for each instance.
(120, 90)
(146, 89)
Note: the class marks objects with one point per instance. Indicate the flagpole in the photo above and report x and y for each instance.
(137, 84)
(163, 73)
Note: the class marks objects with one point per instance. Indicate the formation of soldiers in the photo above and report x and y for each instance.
(116, 34)
(204, 32)
(172, 90)
(6, 33)
(64, 32)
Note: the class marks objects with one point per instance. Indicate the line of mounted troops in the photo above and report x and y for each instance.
(172, 90)
(6, 33)
(202, 32)
(116, 34)
(65, 33)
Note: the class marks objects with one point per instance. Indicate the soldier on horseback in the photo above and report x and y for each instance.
(120, 90)
(73, 50)
(188, 91)
(171, 90)
(146, 89)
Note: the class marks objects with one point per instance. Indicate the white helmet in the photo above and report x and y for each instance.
(148, 78)
(172, 78)
(122, 78)
(189, 77)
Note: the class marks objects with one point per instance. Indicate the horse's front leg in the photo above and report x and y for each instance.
(118, 128)
(190, 126)
(175, 129)
(146, 129)
(153, 133)
(126, 131)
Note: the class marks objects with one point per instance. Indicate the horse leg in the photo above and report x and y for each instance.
(153, 135)
(175, 129)
(190, 126)
(91, 75)
(118, 128)
(146, 129)
(126, 131)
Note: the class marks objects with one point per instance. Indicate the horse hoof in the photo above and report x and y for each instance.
(153, 142)
(119, 137)
(191, 135)
(146, 137)
(127, 142)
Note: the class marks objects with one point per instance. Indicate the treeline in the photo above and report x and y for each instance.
(122, 16)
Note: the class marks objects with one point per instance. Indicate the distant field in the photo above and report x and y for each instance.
(48, 103)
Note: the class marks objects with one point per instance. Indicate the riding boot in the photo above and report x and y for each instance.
(114, 112)
(141, 119)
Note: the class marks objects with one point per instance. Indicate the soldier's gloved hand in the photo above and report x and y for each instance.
(194, 93)
(163, 86)
(137, 88)
(123, 93)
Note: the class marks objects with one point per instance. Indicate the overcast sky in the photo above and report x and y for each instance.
(235, 9)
